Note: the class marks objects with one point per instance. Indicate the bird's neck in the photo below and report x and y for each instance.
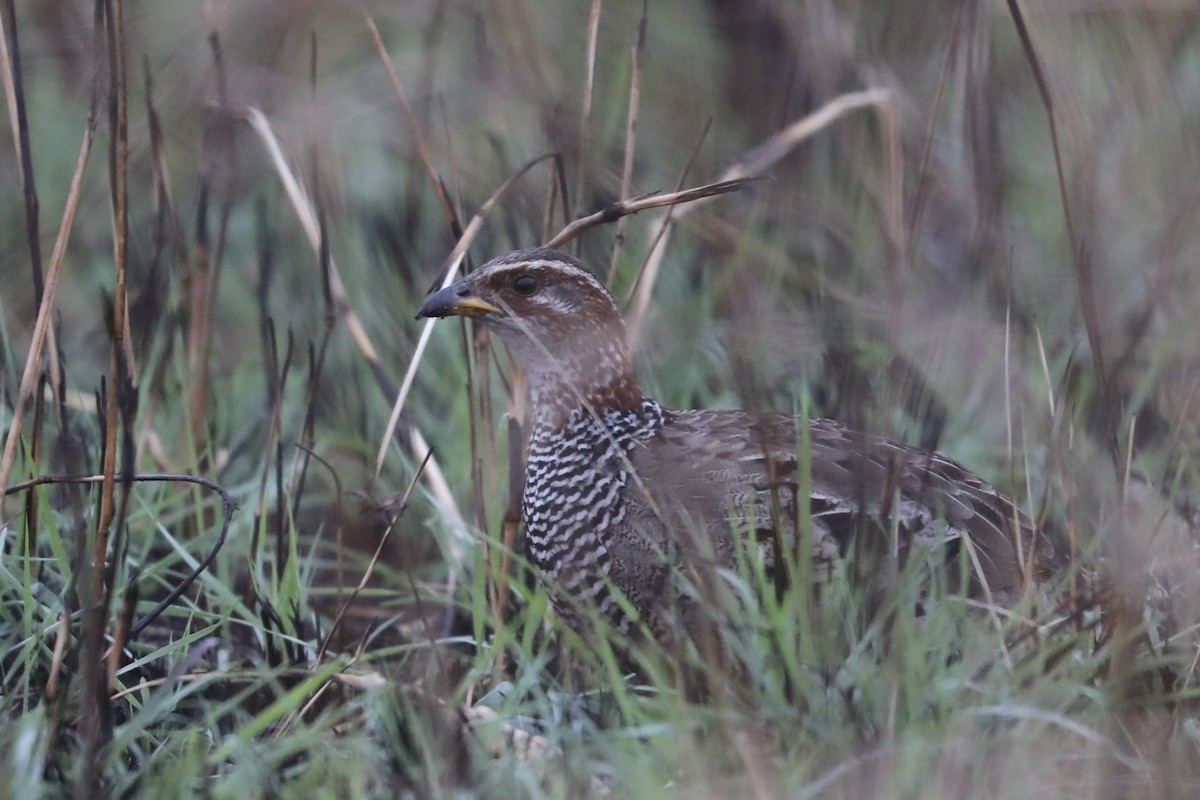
(598, 385)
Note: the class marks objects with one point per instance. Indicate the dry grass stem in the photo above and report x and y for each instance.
(418, 135)
(370, 568)
(754, 164)
(623, 208)
(585, 112)
(635, 93)
(41, 326)
(449, 272)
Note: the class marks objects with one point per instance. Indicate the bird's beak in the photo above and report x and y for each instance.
(456, 300)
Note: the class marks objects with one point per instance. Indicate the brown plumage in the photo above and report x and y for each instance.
(620, 492)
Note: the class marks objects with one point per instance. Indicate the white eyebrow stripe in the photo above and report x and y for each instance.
(543, 265)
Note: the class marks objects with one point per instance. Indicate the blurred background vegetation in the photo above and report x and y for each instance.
(907, 268)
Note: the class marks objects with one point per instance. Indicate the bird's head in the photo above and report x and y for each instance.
(554, 314)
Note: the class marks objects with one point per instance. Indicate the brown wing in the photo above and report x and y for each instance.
(927, 496)
(716, 472)
(711, 476)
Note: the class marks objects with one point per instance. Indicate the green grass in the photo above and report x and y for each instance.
(935, 296)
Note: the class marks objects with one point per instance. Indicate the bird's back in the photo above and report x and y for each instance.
(712, 482)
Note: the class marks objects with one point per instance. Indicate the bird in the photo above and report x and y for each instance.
(622, 495)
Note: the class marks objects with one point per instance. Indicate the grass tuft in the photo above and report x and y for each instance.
(285, 559)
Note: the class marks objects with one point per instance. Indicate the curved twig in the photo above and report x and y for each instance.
(227, 503)
(623, 208)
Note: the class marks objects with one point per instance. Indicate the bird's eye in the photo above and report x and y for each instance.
(525, 285)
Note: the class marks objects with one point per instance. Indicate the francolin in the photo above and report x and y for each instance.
(622, 495)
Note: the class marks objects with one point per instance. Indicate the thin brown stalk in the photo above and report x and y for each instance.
(1127, 471)
(298, 471)
(370, 569)
(194, 285)
(449, 270)
(585, 113)
(205, 273)
(168, 237)
(307, 215)
(514, 397)
(95, 712)
(482, 435)
(1084, 280)
(548, 215)
(758, 753)
(455, 171)
(989, 600)
(42, 328)
(556, 192)
(918, 203)
(227, 504)
(893, 196)
(35, 459)
(14, 85)
(1162, 274)
(316, 361)
(119, 328)
(309, 222)
(121, 633)
(635, 92)
(1015, 520)
(164, 195)
(10, 89)
(1056, 465)
(512, 513)
(13, 80)
(755, 162)
(61, 637)
(276, 376)
(624, 208)
(414, 129)
(761, 158)
(668, 218)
